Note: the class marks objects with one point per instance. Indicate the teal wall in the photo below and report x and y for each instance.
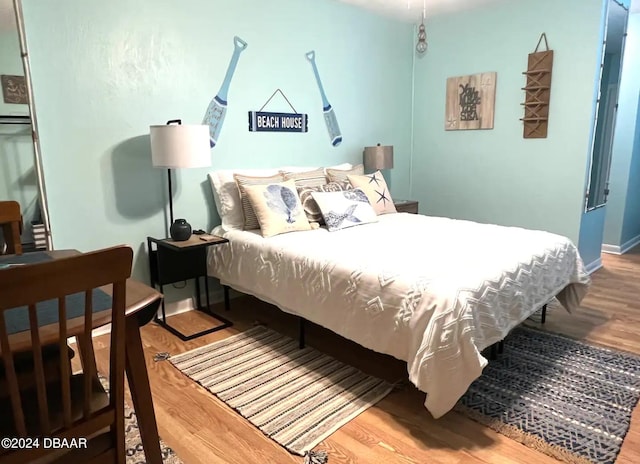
(104, 71)
(623, 207)
(631, 224)
(495, 175)
(17, 177)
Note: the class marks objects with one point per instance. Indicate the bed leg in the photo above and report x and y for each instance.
(543, 316)
(301, 334)
(493, 353)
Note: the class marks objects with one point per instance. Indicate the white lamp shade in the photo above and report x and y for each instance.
(180, 146)
(378, 157)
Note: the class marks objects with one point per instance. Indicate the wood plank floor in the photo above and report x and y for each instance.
(201, 429)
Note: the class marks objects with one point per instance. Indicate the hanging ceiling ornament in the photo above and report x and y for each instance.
(421, 46)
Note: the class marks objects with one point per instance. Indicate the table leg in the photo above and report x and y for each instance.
(227, 303)
(138, 379)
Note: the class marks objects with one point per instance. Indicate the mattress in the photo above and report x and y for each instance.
(431, 291)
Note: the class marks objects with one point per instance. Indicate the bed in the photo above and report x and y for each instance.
(431, 291)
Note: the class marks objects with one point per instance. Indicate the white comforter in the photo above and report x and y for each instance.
(431, 291)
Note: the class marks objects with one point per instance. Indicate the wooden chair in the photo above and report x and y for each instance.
(74, 406)
(11, 223)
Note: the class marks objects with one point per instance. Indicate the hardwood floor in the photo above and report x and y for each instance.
(398, 429)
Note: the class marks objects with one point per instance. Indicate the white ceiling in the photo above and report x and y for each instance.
(411, 10)
(405, 10)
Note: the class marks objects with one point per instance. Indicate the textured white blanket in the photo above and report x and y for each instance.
(431, 291)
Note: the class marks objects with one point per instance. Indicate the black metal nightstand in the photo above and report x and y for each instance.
(172, 262)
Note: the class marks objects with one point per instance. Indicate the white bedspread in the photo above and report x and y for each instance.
(431, 291)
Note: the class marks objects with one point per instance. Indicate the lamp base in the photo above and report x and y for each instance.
(180, 230)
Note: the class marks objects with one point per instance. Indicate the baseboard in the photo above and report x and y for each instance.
(593, 266)
(626, 246)
(177, 307)
(611, 249)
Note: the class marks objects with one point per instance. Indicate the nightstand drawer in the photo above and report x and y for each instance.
(406, 206)
(176, 267)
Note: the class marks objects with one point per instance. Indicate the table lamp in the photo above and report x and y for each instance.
(173, 146)
(378, 158)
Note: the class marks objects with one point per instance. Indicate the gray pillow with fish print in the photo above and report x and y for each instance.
(309, 204)
(345, 209)
(278, 208)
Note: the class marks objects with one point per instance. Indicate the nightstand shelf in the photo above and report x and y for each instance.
(406, 206)
(171, 261)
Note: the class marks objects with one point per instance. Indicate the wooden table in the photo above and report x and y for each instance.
(142, 303)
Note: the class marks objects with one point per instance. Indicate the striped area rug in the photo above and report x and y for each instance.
(297, 397)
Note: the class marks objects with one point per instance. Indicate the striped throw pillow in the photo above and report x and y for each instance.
(250, 218)
(340, 175)
(312, 178)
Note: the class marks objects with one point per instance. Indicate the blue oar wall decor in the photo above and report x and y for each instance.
(217, 109)
(329, 115)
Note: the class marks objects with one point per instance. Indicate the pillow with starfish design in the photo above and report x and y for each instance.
(375, 187)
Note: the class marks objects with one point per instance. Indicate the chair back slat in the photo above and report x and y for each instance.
(68, 405)
(85, 344)
(118, 359)
(38, 367)
(65, 374)
(12, 380)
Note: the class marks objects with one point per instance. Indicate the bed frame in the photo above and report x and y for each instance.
(496, 348)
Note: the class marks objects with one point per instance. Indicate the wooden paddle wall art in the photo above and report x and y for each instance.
(537, 92)
(470, 102)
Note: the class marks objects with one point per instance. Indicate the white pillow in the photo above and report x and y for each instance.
(344, 209)
(227, 197)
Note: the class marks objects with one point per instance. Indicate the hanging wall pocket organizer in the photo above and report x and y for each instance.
(537, 92)
(262, 121)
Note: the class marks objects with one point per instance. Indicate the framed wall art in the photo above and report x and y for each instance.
(470, 101)
(14, 89)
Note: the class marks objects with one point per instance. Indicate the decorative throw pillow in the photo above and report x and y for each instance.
(277, 207)
(376, 189)
(310, 206)
(340, 175)
(312, 178)
(250, 219)
(227, 196)
(345, 209)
